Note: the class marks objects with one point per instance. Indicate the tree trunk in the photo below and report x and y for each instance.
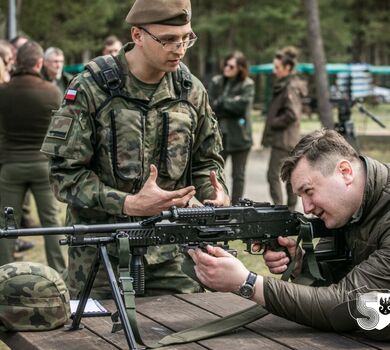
(318, 56)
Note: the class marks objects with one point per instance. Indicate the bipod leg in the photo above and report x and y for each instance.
(118, 299)
(85, 293)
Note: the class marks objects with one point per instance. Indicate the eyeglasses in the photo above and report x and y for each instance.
(230, 66)
(174, 45)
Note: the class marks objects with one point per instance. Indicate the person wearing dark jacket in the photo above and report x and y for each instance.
(231, 97)
(26, 103)
(53, 68)
(282, 127)
(348, 192)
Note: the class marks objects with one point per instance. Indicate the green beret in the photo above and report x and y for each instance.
(169, 12)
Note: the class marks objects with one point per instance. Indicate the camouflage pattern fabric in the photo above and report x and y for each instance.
(33, 297)
(98, 159)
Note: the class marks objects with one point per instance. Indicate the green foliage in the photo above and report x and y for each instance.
(351, 29)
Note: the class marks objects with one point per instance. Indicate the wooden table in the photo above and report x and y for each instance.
(160, 316)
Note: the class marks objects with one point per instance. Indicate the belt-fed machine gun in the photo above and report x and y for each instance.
(251, 222)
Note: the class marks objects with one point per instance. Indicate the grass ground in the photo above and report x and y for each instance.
(363, 126)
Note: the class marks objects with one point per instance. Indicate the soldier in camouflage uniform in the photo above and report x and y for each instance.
(131, 156)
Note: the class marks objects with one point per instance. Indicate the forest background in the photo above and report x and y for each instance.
(352, 30)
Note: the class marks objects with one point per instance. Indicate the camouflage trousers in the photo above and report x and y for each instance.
(161, 277)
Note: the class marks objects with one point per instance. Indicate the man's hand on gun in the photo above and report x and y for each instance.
(277, 262)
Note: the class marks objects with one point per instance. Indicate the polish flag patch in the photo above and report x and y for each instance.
(71, 95)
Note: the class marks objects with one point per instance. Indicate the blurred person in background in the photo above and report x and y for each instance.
(18, 41)
(231, 97)
(112, 45)
(2, 71)
(6, 54)
(23, 165)
(8, 57)
(53, 68)
(282, 126)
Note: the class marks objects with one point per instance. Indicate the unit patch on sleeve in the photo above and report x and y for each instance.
(70, 94)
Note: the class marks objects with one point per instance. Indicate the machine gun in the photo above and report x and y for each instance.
(345, 125)
(249, 222)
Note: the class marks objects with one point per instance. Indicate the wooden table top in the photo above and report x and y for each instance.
(160, 316)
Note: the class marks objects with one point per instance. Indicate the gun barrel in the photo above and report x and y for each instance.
(69, 230)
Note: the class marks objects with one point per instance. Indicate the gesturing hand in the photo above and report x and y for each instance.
(152, 199)
(220, 197)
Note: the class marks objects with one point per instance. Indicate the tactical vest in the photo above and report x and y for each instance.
(128, 127)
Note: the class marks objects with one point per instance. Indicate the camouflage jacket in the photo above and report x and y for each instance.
(232, 103)
(98, 159)
(368, 238)
(282, 127)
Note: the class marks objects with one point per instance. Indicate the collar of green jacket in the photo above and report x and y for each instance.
(377, 178)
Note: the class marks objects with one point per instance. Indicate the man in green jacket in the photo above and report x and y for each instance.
(346, 191)
(153, 145)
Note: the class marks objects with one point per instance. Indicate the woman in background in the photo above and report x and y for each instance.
(282, 127)
(231, 97)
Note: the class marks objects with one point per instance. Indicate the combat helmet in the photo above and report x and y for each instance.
(33, 297)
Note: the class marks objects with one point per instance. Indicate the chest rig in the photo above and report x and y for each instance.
(107, 72)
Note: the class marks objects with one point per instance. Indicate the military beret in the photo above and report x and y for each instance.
(169, 12)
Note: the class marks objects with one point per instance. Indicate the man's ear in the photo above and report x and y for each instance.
(39, 64)
(344, 167)
(136, 34)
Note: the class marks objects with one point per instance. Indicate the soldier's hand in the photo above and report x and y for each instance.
(221, 199)
(277, 262)
(152, 199)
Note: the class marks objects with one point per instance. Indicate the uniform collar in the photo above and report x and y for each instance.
(165, 89)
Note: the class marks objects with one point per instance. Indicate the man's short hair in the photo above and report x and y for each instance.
(51, 51)
(323, 149)
(111, 40)
(28, 55)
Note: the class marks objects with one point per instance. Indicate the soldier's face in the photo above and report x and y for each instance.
(327, 197)
(157, 45)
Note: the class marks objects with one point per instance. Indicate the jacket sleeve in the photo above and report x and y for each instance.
(320, 307)
(236, 106)
(290, 112)
(69, 143)
(206, 152)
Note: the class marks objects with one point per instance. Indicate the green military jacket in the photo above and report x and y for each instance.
(368, 238)
(232, 102)
(97, 159)
(282, 127)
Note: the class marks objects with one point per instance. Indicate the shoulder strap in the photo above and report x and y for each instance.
(106, 72)
(182, 81)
